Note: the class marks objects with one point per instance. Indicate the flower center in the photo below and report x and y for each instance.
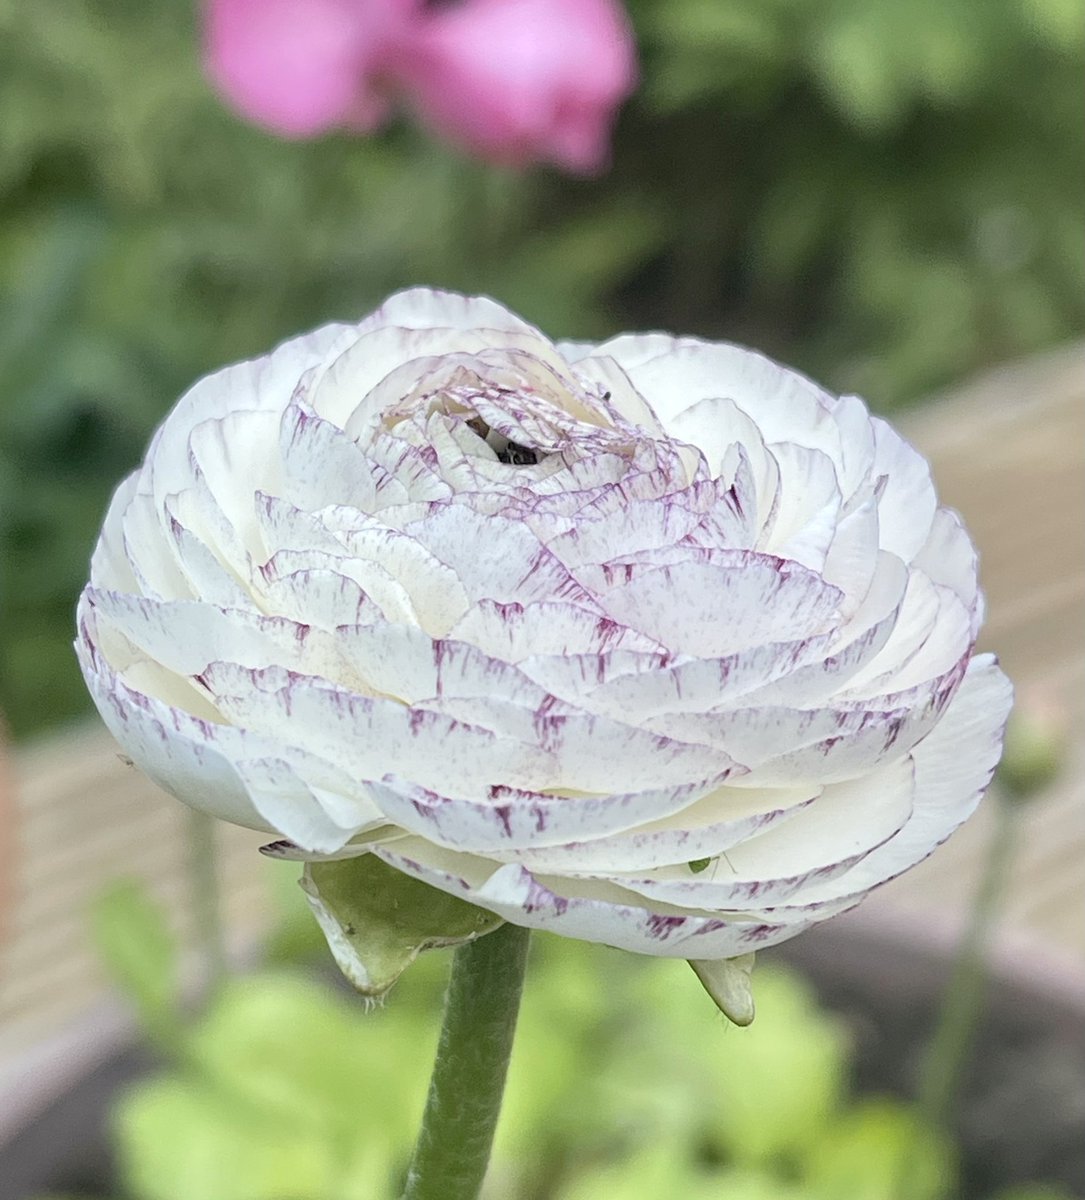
(508, 452)
(518, 456)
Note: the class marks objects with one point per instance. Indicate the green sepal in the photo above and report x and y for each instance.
(727, 981)
(378, 920)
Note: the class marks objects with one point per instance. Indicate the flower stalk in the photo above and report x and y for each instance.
(206, 900)
(947, 1053)
(481, 1007)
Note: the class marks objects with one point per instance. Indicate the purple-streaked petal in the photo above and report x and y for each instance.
(510, 819)
(953, 766)
(705, 829)
(730, 606)
(592, 912)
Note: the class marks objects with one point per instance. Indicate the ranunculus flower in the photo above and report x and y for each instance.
(653, 643)
(519, 81)
(302, 67)
(514, 81)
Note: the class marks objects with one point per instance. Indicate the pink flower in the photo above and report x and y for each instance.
(521, 80)
(302, 67)
(514, 81)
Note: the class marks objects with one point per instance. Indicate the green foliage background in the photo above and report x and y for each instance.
(884, 194)
(625, 1082)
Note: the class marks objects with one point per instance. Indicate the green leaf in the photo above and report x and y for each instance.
(294, 1051)
(378, 920)
(867, 1154)
(135, 942)
(649, 1173)
(777, 1085)
(179, 1142)
(290, 1089)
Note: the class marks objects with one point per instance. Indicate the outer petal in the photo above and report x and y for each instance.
(180, 753)
(953, 766)
(705, 829)
(512, 819)
(593, 912)
(820, 841)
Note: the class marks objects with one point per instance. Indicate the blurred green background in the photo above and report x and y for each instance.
(883, 194)
(625, 1084)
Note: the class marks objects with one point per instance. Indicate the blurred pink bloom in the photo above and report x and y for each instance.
(301, 67)
(513, 81)
(523, 80)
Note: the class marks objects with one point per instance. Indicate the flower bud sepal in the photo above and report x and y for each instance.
(727, 981)
(378, 920)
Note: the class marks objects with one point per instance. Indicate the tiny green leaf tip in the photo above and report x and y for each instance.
(727, 981)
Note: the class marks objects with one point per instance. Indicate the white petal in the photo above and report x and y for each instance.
(715, 425)
(642, 525)
(706, 828)
(325, 591)
(370, 737)
(437, 597)
(808, 507)
(185, 756)
(856, 461)
(717, 608)
(589, 911)
(786, 406)
(783, 747)
(186, 635)
(844, 654)
(314, 818)
(232, 457)
(152, 555)
(510, 818)
(932, 636)
(852, 557)
(607, 377)
(949, 557)
(320, 464)
(819, 843)
(261, 383)
(432, 308)
(587, 752)
(953, 766)
(204, 571)
(401, 660)
(110, 566)
(653, 686)
(908, 502)
(495, 558)
(517, 631)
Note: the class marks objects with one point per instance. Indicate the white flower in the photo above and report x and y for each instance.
(653, 643)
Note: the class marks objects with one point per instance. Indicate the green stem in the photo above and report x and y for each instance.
(464, 1100)
(206, 898)
(947, 1053)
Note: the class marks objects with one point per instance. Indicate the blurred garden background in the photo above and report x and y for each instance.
(885, 195)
